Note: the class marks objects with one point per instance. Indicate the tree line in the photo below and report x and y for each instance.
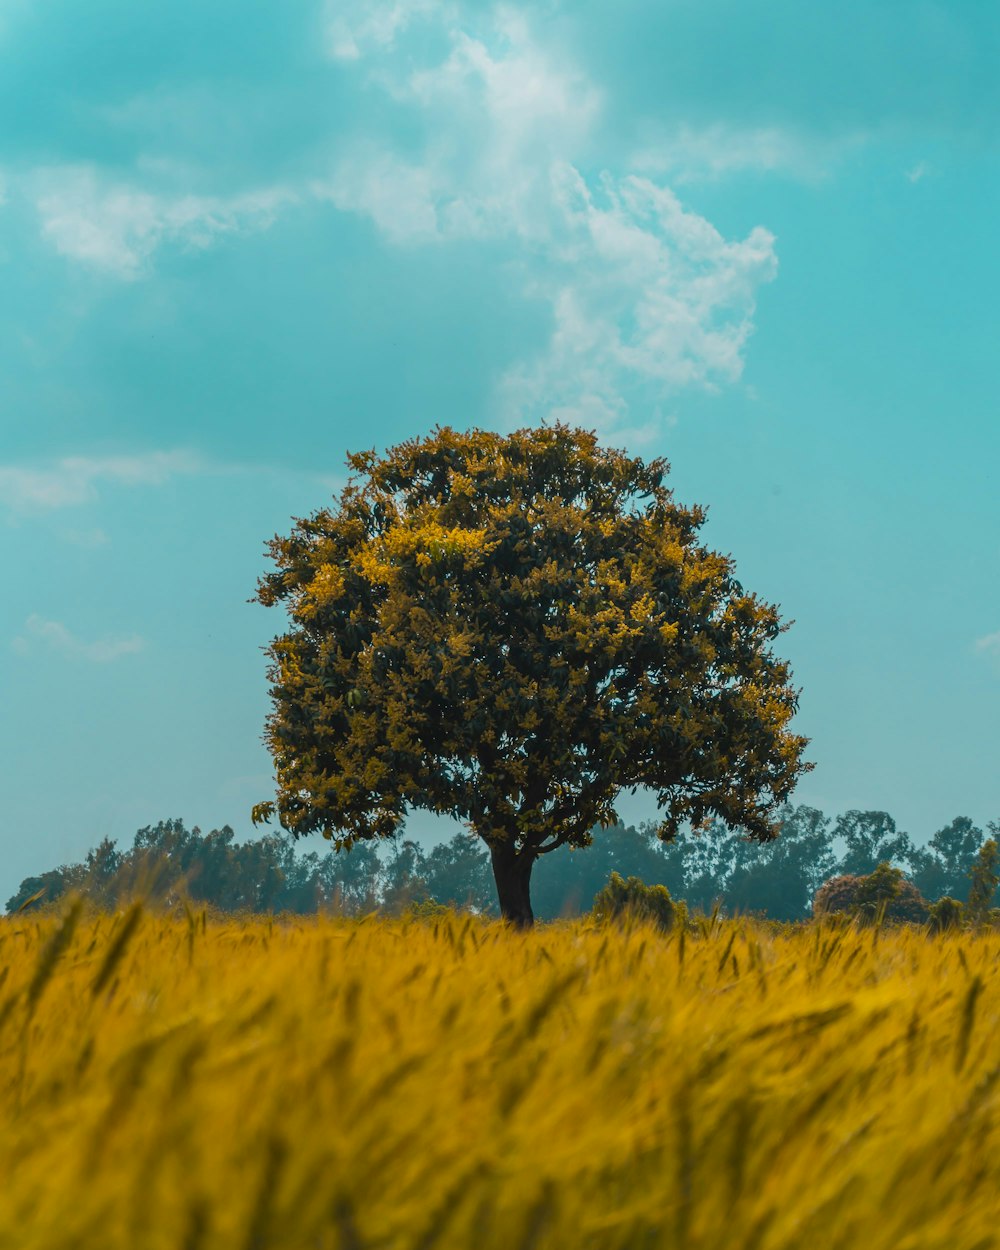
(717, 866)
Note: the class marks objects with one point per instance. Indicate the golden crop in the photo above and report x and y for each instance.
(252, 1084)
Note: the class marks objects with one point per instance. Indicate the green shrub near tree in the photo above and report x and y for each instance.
(946, 915)
(623, 901)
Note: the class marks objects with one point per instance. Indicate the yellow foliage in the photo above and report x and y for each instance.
(325, 587)
(169, 1083)
(425, 543)
(327, 584)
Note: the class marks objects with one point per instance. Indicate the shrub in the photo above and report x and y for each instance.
(947, 913)
(884, 893)
(633, 900)
(426, 909)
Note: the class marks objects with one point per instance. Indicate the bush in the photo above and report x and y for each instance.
(884, 893)
(427, 909)
(633, 900)
(947, 913)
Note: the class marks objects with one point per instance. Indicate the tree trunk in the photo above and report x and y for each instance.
(512, 873)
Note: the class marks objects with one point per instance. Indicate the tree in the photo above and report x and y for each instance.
(457, 874)
(776, 878)
(402, 876)
(779, 878)
(103, 863)
(943, 866)
(511, 631)
(51, 885)
(871, 838)
(709, 860)
(984, 880)
(349, 882)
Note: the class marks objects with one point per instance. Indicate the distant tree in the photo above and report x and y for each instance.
(779, 878)
(256, 880)
(349, 882)
(404, 876)
(943, 866)
(457, 873)
(166, 858)
(48, 887)
(511, 631)
(984, 880)
(710, 857)
(102, 865)
(302, 890)
(870, 838)
(167, 862)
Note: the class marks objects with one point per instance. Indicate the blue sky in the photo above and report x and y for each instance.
(239, 240)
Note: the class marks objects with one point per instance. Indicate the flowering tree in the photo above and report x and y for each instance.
(511, 631)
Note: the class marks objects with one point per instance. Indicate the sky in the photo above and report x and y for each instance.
(238, 240)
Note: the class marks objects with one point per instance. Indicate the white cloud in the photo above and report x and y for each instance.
(55, 635)
(643, 292)
(919, 171)
(690, 154)
(398, 197)
(355, 28)
(75, 479)
(496, 119)
(117, 227)
(501, 119)
(530, 99)
(990, 647)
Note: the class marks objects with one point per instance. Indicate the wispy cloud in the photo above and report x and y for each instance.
(89, 538)
(496, 118)
(689, 154)
(989, 646)
(400, 198)
(116, 227)
(75, 480)
(918, 171)
(643, 291)
(357, 27)
(57, 637)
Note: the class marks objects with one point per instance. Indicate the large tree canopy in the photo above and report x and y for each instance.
(511, 631)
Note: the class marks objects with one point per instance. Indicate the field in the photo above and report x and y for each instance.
(190, 1083)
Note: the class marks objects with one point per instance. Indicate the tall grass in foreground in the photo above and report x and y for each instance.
(331, 1083)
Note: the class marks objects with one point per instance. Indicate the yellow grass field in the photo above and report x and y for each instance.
(189, 1083)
